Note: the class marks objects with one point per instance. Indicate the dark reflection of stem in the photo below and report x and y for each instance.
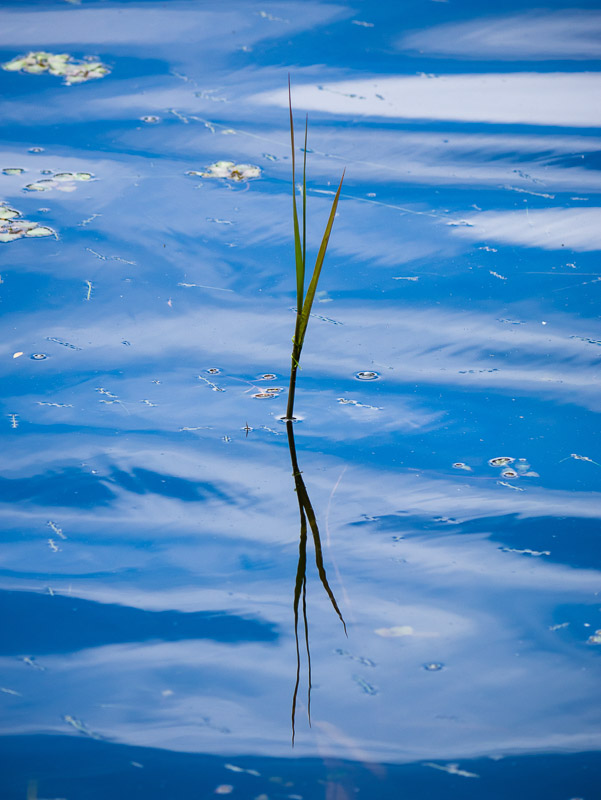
(300, 587)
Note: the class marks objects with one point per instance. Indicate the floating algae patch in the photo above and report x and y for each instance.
(12, 227)
(501, 461)
(63, 181)
(229, 170)
(61, 64)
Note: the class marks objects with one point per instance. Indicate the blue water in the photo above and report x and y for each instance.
(149, 514)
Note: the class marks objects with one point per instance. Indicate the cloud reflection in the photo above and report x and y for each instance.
(536, 35)
(577, 229)
(529, 98)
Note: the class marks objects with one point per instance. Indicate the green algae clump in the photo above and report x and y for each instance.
(12, 227)
(60, 64)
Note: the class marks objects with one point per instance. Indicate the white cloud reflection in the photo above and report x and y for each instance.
(536, 35)
(182, 23)
(529, 98)
(577, 229)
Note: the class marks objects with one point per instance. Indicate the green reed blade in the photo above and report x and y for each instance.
(310, 296)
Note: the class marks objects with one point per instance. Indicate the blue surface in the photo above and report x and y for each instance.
(149, 517)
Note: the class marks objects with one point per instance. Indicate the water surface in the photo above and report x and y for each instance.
(151, 525)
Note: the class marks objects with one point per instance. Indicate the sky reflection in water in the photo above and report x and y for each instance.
(147, 488)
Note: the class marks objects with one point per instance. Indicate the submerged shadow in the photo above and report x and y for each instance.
(307, 514)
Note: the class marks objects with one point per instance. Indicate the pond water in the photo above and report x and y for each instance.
(447, 437)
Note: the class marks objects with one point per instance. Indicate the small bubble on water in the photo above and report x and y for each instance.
(268, 376)
(367, 376)
(38, 356)
(501, 461)
(150, 118)
(509, 473)
(433, 666)
(461, 465)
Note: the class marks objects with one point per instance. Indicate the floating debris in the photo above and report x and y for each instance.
(461, 465)
(433, 666)
(509, 473)
(53, 546)
(268, 376)
(345, 401)
(13, 170)
(452, 769)
(367, 662)
(580, 458)
(38, 356)
(322, 318)
(497, 275)
(395, 631)
(60, 64)
(587, 340)
(365, 686)
(501, 461)
(559, 626)
(510, 486)
(63, 181)
(595, 638)
(234, 768)
(18, 354)
(367, 376)
(14, 420)
(80, 726)
(151, 119)
(362, 24)
(213, 371)
(31, 662)
(197, 428)
(230, 171)
(61, 341)
(271, 18)
(10, 691)
(526, 551)
(225, 788)
(405, 278)
(264, 396)
(57, 530)
(13, 228)
(213, 386)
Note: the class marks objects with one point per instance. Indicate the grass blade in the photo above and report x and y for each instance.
(309, 297)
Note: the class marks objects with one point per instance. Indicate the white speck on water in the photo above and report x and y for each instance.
(451, 769)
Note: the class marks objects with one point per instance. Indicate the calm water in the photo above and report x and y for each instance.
(151, 526)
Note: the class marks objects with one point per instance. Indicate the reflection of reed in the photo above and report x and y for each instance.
(300, 586)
